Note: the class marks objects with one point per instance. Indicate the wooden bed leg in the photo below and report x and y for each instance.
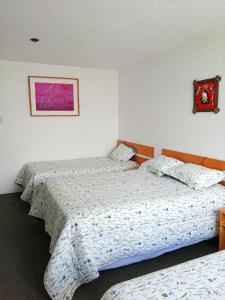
(222, 229)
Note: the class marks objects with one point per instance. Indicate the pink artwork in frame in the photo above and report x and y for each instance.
(53, 96)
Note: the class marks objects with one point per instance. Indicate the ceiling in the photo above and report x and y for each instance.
(108, 34)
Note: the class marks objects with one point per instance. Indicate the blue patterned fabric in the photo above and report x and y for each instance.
(34, 174)
(95, 220)
(122, 153)
(199, 279)
(159, 165)
(195, 176)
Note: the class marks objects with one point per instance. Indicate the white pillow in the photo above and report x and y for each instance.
(195, 176)
(159, 165)
(122, 153)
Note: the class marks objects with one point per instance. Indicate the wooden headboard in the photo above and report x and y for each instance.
(143, 152)
(196, 159)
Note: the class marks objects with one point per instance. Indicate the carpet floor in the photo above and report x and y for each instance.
(24, 257)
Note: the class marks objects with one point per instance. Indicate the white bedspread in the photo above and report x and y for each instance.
(95, 220)
(198, 279)
(34, 174)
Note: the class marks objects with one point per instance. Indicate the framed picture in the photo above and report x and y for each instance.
(206, 95)
(53, 96)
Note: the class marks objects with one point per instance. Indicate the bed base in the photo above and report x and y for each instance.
(138, 258)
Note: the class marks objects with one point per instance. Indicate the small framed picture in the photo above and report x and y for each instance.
(53, 96)
(206, 94)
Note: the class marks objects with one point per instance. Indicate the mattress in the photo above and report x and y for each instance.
(35, 174)
(95, 220)
(199, 279)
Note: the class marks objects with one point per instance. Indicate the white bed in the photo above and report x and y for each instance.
(97, 221)
(34, 174)
(199, 279)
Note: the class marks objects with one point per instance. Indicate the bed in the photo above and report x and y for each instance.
(35, 174)
(202, 278)
(97, 222)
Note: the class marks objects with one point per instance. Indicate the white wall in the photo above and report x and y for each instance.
(156, 100)
(24, 138)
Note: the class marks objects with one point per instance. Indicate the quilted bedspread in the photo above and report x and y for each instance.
(34, 174)
(198, 279)
(95, 220)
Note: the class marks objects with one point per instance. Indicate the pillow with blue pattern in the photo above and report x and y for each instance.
(122, 153)
(196, 176)
(159, 165)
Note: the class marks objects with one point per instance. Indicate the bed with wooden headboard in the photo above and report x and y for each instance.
(143, 152)
(196, 159)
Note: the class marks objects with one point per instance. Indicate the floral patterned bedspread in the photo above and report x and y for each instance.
(34, 174)
(96, 219)
(199, 279)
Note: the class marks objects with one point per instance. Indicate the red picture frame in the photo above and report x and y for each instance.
(206, 95)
